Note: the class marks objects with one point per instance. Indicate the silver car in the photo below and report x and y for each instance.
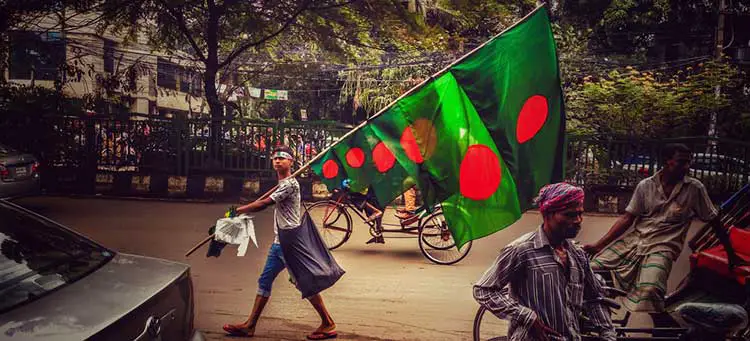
(58, 285)
(19, 173)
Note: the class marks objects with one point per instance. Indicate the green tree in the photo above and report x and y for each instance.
(650, 104)
(454, 27)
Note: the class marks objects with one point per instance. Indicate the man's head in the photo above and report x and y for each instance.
(676, 158)
(283, 159)
(561, 205)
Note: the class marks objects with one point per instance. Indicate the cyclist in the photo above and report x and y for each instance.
(365, 200)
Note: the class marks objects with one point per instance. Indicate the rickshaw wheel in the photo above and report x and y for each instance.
(434, 244)
(338, 226)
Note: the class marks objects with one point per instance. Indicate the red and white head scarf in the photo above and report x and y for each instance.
(555, 197)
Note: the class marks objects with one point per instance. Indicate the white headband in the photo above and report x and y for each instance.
(283, 154)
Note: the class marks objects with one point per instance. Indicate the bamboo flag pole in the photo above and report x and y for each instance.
(371, 118)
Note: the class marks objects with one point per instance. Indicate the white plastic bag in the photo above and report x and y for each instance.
(238, 230)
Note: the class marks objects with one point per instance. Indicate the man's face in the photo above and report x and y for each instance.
(679, 165)
(281, 164)
(566, 224)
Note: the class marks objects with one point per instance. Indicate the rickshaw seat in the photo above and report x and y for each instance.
(715, 258)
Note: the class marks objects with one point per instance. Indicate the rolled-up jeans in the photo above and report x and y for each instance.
(274, 265)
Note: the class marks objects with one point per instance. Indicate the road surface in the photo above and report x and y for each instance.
(389, 292)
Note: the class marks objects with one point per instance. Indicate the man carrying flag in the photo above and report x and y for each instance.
(286, 217)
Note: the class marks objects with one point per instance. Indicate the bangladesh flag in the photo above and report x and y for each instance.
(481, 137)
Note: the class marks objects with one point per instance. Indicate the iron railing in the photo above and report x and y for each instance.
(723, 165)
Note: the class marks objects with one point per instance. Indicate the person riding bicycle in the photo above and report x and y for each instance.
(541, 280)
(408, 214)
(365, 200)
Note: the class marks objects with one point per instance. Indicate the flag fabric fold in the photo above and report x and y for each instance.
(480, 137)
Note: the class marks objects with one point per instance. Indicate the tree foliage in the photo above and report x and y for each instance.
(652, 104)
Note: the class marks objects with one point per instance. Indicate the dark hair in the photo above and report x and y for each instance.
(282, 148)
(672, 148)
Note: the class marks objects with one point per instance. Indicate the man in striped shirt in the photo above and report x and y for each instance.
(541, 280)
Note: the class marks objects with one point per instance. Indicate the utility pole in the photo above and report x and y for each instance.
(712, 131)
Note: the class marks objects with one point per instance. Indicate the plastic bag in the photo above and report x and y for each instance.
(236, 230)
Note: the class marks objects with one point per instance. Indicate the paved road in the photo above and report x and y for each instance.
(390, 292)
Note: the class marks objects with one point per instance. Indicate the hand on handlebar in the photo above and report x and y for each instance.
(540, 331)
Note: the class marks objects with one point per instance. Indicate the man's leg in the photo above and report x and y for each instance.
(274, 265)
(375, 214)
(651, 286)
(327, 328)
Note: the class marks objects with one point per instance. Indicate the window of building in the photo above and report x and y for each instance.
(185, 76)
(166, 74)
(197, 86)
(109, 56)
(36, 55)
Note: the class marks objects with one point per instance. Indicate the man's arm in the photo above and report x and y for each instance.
(598, 314)
(491, 292)
(283, 191)
(256, 206)
(636, 207)
(618, 229)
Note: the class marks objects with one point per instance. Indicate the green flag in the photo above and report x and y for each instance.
(330, 170)
(480, 137)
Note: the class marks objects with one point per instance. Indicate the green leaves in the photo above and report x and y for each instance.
(652, 104)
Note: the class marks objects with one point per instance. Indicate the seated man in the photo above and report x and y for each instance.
(366, 201)
(407, 214)
(541, 280)
(660, 211)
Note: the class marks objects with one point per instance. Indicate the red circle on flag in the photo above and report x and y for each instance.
(330, 169)
(411, 148)
(480, 173)
(355, 157)
(531, 118)
(383, 158)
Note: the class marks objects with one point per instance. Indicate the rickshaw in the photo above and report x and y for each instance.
(334, 222)
(710, 304)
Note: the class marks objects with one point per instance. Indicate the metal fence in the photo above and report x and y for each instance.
(183, 147)
(723, 165)
(83, 147)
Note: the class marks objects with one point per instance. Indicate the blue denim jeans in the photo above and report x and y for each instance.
(274, 265)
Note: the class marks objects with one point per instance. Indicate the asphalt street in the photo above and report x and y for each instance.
(389, 292)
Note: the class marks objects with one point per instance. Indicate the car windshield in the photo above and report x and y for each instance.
(5, 151)
(38, 257)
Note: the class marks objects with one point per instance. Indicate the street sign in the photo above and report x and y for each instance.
(254, 92)
(278, 95)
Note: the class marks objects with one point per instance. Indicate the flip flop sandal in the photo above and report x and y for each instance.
(322, 335)
(234, 331)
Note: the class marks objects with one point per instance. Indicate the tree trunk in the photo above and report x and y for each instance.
(215, 107)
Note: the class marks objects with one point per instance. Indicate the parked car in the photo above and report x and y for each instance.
(56, 284)
(19, 173)
(703, 164)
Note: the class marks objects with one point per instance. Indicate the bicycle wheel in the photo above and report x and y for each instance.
(436, 241)
(337, 227)
(488, 327)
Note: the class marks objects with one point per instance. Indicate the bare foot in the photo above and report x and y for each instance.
(326, 327)
(324, 332)
(243, 329)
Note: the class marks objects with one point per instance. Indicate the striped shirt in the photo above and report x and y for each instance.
(529, 282)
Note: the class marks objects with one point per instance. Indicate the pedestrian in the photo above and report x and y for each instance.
(287, 217)
(661, 210)
(540, 281)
